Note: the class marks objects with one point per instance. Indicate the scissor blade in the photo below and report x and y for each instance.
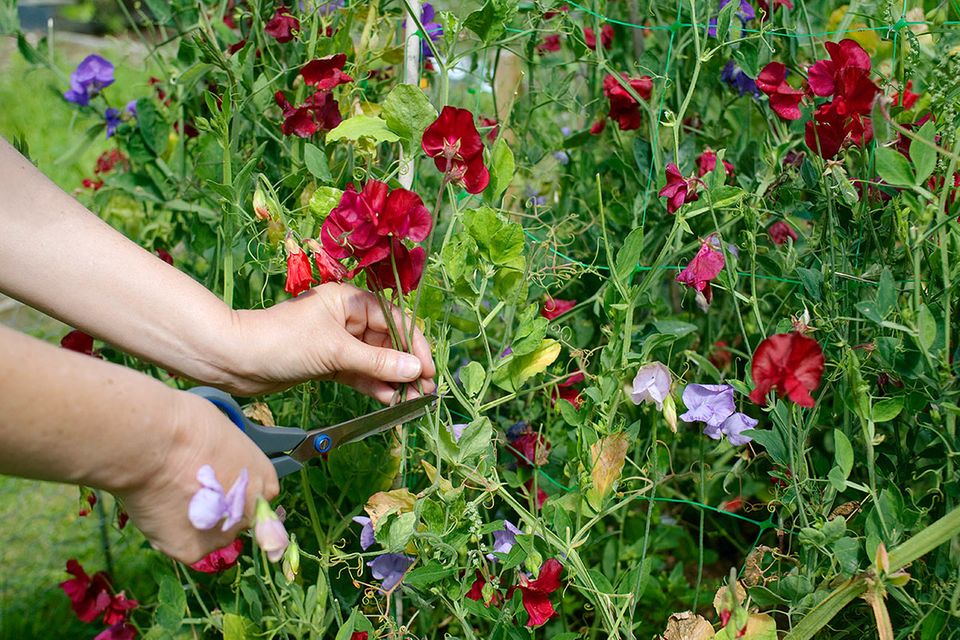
(364, 426)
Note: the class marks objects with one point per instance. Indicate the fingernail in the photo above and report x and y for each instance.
(408, 367)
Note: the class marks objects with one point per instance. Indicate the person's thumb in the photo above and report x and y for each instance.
(380, 363)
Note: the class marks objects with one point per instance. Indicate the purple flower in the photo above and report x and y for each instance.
(504, 539)
(506, 352)
(517, 430)
(91, 75)
(709, 403)
(456, 430)
(366, 533)
(734, 425)
(562, 157)
(535, 199)
(390, 568)
(209, 504)
(114, 117)
(432, 29)
(746, 14)
(326, 8)
(651, 384)
(269, 531)
(714, 241)
(736, 78)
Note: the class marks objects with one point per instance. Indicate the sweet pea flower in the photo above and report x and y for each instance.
(221, 559)
(790, 363)
(705, 266)
(476, 591)
(119, 631)
(739, 80)
(732, 427)
(707, 162)
(708, 403)
(409, 263)
(119, 608)
(456, 430)
(431, 28)
(606, 37)
(504, 539)
(91, 75)
(909, 97)
(269, 531)
(210, 504)
(784, 99)
(454, 143)
(553, 308)
(326, 73)
(328, 267)
(678, 190)
(745, 12)
(114, 117)
(567, 390)
(80, 342)
(535, 594)
(299, 275)
(624, 109)
(530, 449)
(282, 26)
(319, 112)
(779, 232)
(651, 384)
(389, 567)
(366, 533)
(549, 44)
(89, 597)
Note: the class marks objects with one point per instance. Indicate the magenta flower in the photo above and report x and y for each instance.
(389, 567)
(210, 504)
(269, 531)
(705, 266)
(678, 190)
(651, 384)
(366, 533)
(91, 75)
(504, 539)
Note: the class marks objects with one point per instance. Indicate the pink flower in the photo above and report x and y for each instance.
(119, 608)
(705, 266)
(210, 504)
(549, 44)
(678, 190)
(909, 97)
(328, 267)
(89, 597)
(553, 308)
(779, 232)
(269, 532)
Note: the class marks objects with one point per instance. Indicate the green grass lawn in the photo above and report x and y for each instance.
(40, 529)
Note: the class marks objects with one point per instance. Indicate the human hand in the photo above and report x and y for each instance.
(332, 332)
(158, 501)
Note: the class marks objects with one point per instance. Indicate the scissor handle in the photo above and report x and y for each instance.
(271, 440)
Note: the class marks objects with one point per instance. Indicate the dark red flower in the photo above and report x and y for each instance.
(553, 308)
(784, 99)
(164, 255)
(678, 190)
(328, 267)
(119, 608)
(299, 275)
(88, 500)
(530, 449)
(826, 132)
(221, 559)
(779, 232)
(494, 127)
(89, 597)
(453, 142)
(119, 631)
(282, 25)
(326, 73)
(476, 591)
(359, 635)
(94, 184)
(555, 12)
(535, 594)
(705, 266)
(549, 44)
(791, 363)
(707, 162)
(720, 356)
(319, 111)
(236, 46)
(623, 108)
(606, 37)
(909, 97)
(409, 265)
(541, 494)
(122, 518)
(597, 127)
(567, 390)
(846, 75)
(80, 342)
(108, 160)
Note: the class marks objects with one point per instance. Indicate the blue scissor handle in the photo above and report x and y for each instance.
(271, 440)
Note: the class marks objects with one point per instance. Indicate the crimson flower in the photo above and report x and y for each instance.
(80, 342)
(909, 97)
(705, 266)
(535, 594)
(549, 44)
(553, 308)
(826, 132)
(119, 608)
(568, 391)
(597, 127)
(784, 99)
(119, 631)
(299, 275)
(623, 108)
(606, 37)
(89, 597)
(707, 162)
(359, 635)
(164, 255)
(541, 494)
(476, 591)
(328, 267)
(88, 500)
(530, 449)
(453, 142)
(319, 112)
(678, 190)
(779, 232)
(846, 75)
(221, 559)
(791, 363)
(282, 25)
(493, 127)
(409, 264)
(326, 73)
(720, 356)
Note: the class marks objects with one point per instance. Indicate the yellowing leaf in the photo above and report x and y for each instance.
(431, 472)
(608, 455)
(518, 369)
(260, 412)
(723, 602)
(760, 626)
(687, 626)
(384, 503)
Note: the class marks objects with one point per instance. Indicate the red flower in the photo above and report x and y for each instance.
(118, 609)
(359, 635)
(720, 357)
(108, 160)
(597, 127)
(94, 184)
(455, 146)
(553, 308)
(567, 390)
(494, 127)
(707, 162)
(89, 597)
(282, 25)
(320, 111)
(909, 97)
(623, 108)
(326, 73)
(733, 505)
(409, 263)
(678, 190)
(88, 500)
(476, 591)
(791, 363)
(328, 267)
(221, 559)
(606, 37)
(535, 594)
(784, 99)
(779, 232)
(122, 517)
(705, 266)
(549, 44)
(847, 75)
(827, 131)
(541, 494)
(118, 631)
(164, 255)
(530, 449)
(236, 46)
(80, 342)
(299, 276)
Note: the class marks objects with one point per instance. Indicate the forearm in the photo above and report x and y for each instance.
(58, 257)
(71, 418)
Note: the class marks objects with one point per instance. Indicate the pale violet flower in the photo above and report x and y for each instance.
(390, 568)
(733, 427)
(651, 384)
(269, 531)
(366, 533)
(713, 405)
(210, 504)
(456, 430)
(504, 539)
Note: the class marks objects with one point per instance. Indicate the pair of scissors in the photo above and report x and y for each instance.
(289, 448)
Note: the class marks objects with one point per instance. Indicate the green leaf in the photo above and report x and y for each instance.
(363, 126)
(502, 167)
(237, 627)
(316, 161)
(926, 328)
(408, 112)
(847, 552)
(516, 370)
(894, 168)
(160, 11)
(172, 603)
(924, 156)
(153, 127)
(323, 201)
(430, 573)
(531, 330)
(675, 328)
(773, 442)
(499, 240)
(844, 452)
(723, 21)
(886, 293)
(397, 531)
(837, 479)
(628, 257)
(490, 21)
(811, 281)
(475, 439)
(886, 409)
(472, 376)
(869, 310)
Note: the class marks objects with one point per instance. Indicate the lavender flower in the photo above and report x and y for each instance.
(269, 531)
(562, 157)
(456, 430)
(709, 403)
(91, 75)
(651, 384)
(504, 539)
(736, 78)
(210, 504)
(366, 533)
(433, 29)
(390, 568)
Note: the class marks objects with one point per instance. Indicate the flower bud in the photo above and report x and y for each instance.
(291, 560)
(670, 412)
(260, 207)
(269, 531)
(88, 500)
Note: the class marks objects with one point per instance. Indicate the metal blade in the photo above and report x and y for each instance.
(363, 426)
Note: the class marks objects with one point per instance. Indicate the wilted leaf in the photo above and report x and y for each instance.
(259, 412)
(384, 503)
(608, 455)
(431, 471)
(519, 369)
(687, 626)
(722, 601)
